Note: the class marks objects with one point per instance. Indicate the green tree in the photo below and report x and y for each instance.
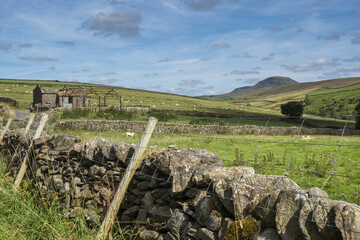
(293, 108)
(357, 112)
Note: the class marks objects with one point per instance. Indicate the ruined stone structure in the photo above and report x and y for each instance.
(66, 97)
(181, 193)
(74, 97)
(45, 98)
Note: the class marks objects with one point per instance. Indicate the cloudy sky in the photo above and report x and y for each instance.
(190, 47)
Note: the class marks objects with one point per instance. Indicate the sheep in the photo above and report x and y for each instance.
(305, 138)
(129, 134)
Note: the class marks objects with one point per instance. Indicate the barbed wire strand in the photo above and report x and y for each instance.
(288, 165)
(231, 139)
(332, 169)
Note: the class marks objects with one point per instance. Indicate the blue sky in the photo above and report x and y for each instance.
(190, 47)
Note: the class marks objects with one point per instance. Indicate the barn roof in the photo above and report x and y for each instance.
(79, 91)
(43, 91)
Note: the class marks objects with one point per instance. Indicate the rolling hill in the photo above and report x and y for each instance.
(333, 101)
(22, 91)
(272, 97)
(268, 82)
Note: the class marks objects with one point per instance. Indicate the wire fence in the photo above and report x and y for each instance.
(329, 162)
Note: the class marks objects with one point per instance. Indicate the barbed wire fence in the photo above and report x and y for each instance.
(323, 175)
(326, 157)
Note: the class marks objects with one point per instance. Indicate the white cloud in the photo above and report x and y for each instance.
(201, 5)
(332, 37)
(220, 45)
(313, 66)
(238, 72)
(38, 58)
(342, 72)
(191, 82)
(121, 23)
(356, 39)
(5, 46)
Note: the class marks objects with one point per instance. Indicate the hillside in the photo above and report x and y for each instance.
(273, 97)
(333, 101)
(22, 91)
(268, 82)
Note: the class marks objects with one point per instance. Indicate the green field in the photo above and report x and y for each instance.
(333, 101)
(21, 90)
(310, 161)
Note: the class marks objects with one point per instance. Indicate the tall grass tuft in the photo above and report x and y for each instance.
(23, 215)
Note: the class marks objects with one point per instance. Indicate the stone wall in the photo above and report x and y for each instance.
(10, 101)
(181, 194)
(124, 126)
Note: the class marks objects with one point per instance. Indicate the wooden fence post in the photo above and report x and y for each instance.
(5, 130)
(121, 190)
(28, 125)
(23, 167)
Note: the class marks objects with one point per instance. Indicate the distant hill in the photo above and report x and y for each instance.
(333, 101)
(279, 87)
(268, 82)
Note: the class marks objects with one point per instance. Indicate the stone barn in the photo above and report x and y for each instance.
(74, 97)
(66, 97)
(44, 98)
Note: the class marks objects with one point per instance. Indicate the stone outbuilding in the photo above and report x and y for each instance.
(45, 98)
(74, 97)
(66, 97)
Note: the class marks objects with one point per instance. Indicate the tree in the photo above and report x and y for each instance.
(293, 108)
(357, 118)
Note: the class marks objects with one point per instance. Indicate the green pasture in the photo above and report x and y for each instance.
(333, 101)
(21, 90)
(308, 162)
(113, 114)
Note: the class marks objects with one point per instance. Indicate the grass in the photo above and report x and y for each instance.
(310, 161)
(331, 102)
(22, 91)
(271, 98)
(25, 216)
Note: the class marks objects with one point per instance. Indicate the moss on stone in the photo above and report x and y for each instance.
(216, 213)
(245, 229)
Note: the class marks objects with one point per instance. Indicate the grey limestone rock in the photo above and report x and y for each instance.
(204, 209)
(160, 213)
(206, 234)
(269, 234)
(148, 235)
(214, 221)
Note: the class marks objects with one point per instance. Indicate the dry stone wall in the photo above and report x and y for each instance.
(124, 126)
(181, 193)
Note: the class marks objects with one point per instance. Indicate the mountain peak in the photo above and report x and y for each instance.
(274, 81)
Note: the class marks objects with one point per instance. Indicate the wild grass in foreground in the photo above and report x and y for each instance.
(310, 162)
(24, 215)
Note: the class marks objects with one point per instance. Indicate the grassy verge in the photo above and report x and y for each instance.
(24, 215)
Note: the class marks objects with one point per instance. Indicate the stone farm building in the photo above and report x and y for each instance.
(66, 97)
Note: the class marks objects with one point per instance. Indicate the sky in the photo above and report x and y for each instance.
(188, 47)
